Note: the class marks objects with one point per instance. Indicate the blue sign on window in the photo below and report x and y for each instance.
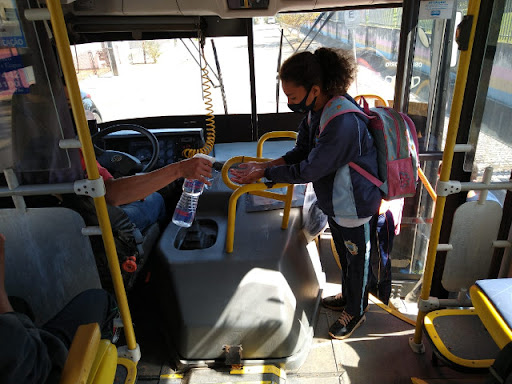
(11, 33)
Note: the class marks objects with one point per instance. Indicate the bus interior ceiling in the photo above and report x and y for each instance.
(171, 293)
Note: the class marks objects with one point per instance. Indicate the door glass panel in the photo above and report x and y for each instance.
(371, 35)
(431, 86)
(34, 114)
(494, 141)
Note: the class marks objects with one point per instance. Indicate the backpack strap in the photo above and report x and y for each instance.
(337, 106)
(366, 174)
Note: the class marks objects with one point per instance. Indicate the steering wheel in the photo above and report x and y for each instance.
(121, 163)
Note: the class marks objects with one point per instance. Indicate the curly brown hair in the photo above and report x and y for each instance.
(332, 69)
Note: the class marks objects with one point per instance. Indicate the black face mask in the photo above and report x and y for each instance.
(302, 107)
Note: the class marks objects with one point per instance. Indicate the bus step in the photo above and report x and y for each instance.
(257, 374)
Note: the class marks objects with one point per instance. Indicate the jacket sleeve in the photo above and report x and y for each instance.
(24, 357)
(337, 145)
(301, 149)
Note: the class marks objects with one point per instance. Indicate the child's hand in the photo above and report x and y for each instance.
(248, 172)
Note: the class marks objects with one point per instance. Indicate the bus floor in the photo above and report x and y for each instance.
(377, 352)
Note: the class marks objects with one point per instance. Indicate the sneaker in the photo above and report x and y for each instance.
(345, 325)
(336, 302)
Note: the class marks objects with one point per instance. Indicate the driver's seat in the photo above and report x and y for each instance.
(133, 246)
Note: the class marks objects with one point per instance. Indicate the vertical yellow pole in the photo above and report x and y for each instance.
(63, 48)
(287, 206)
(453, 126)
(230, 230)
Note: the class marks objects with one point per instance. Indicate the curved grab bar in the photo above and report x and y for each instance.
(427, 185)
(374, 97)
(234, 160)
(272, 135)
(259, 189)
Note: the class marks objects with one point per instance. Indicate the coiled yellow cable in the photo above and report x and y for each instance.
(210, 120)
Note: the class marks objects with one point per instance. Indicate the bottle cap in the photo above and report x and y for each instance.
(211, 159)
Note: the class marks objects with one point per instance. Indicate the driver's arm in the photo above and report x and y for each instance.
(128, 189)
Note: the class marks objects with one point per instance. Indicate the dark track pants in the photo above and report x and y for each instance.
(382, 235)
(353, 247)
(91, 306)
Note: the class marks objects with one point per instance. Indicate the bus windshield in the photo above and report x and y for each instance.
(135, 79)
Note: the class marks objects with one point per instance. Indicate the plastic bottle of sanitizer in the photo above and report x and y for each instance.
(186, 208)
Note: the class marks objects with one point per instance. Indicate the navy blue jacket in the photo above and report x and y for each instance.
(29, 354)
(322, 158)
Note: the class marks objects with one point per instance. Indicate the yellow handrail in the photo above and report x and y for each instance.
(427, 185)
(374, 97)
(131, 369)
(453, 126)
(63, 48)
(259, 189)
(272, 135)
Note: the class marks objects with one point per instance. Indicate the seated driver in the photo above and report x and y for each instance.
(137, 195)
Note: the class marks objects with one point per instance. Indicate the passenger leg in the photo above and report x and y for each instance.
(91, 306)
(386, 235)
(374, 267)
(144, 213)
(356, 242)
(338, 302)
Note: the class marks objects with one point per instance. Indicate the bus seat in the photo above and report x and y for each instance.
(492, 301)
(45, 248)
(475, 227)
(128, 239)
(90, 359)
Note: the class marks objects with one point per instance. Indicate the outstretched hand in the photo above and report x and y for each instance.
(247, 173)
(197, 168)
